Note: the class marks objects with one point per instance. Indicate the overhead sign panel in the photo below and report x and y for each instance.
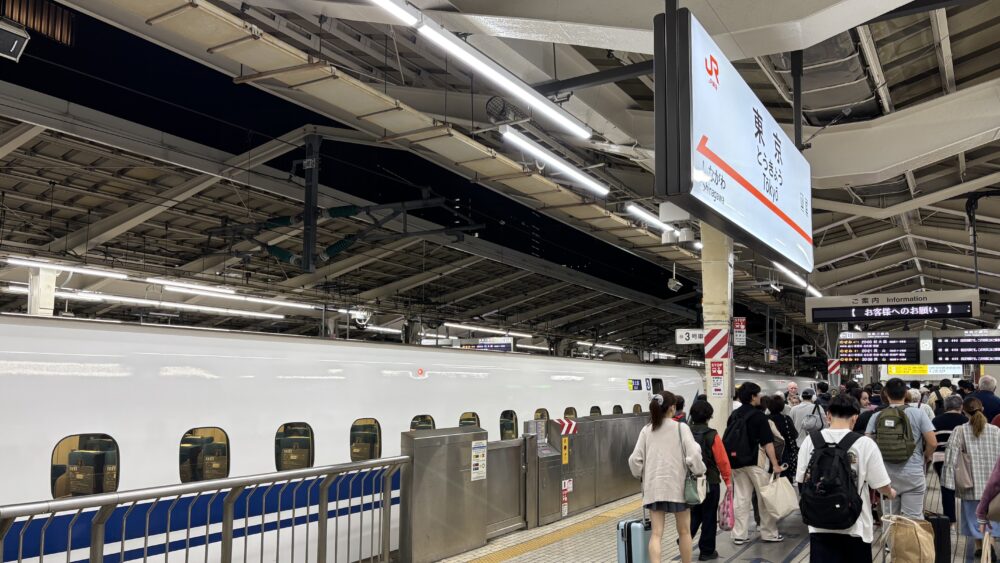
(879, 348)
(967, 346)
(918, 370)
(955, 304)
(736, 168)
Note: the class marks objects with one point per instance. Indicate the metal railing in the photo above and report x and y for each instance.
(142, 521)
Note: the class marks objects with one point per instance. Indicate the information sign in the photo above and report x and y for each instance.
(478, 460)
(953, 304)
(717, 370)
(879, 348)
(771, 355)
(739, 331)
(689, 336)
(491, 344)
(929, 370)
(967, 346)
(736, 169)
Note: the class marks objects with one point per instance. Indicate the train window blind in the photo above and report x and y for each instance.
(637, 408)
(204, 454)
(469, 419)
(422, 422)
(569, 413)
(294, 446)
(508, 425)
(366, 439)
(541, 414)
(617, 410)
(657, 385)
(85, 464)
(595, 411)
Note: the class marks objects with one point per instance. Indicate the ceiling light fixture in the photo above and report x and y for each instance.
(65, 268)
(383, 329)
(400, 12)
(533, 347)
(648, 218)
(243, 298)
(121, 299)
(604, 346)
(798, 279)
(501, 332)
(213, 289)
(500, 76)
(541, 153)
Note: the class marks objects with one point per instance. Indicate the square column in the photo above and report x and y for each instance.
(41, 292)
(717, 308)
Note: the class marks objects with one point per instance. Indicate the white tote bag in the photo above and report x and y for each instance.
(778, 497)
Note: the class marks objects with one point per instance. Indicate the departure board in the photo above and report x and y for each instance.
(967, 347)
(879, 348)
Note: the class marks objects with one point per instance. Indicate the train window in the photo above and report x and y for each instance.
(595, 411)
(469, 419)
(508, 425)
(204, 454)
(293, 446)
(637, 409)
(657, 385)
(617, 409)
(366, 439)
(422, 422)
(541, 414)
(84, 464)
(569, 413)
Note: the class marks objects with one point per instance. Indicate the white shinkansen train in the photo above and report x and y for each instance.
(96, 407)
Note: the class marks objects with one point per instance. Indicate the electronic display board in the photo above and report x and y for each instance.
(967, 347)
(879, 348)
(951, 304)
(724, 158)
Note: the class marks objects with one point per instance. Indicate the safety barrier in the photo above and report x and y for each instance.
(347, 505)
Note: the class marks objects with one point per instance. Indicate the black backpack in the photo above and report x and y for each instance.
(939, 403)
(737, 442)
(829, 496)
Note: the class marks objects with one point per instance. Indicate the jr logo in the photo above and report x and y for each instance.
(712, 68)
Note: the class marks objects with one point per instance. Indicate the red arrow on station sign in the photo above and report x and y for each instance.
(717, 160)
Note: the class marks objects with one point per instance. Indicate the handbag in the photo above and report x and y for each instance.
(727, 515)
(910, 541)
(778, 497)
(963, 470)
(993, 512)
(695, 486)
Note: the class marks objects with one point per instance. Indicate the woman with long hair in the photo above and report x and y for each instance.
(655, 460)
(981, 441)
(785, 426)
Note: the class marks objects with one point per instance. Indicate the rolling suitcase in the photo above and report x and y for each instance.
(633, 540)
(942, 536)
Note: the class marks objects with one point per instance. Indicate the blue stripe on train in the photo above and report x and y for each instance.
(193, 512)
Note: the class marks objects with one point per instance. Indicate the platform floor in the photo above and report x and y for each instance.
(590, 538)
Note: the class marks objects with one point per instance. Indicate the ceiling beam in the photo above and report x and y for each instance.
(512, 301)
(573, 317)
(870, 52)
(837, 276)
(15, 137)
(526, 316)
(826, 255)
(417, 280)
(348, 264)
(464, 293)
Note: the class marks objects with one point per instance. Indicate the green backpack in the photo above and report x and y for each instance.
(894, 435)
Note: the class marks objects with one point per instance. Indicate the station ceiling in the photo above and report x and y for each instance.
(909, 87)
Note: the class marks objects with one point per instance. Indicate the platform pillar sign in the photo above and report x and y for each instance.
(717, 308)
(739, 331)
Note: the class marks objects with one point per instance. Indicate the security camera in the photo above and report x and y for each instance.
(674, 284)
(13, 39)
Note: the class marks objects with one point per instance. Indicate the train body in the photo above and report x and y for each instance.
(95, 407)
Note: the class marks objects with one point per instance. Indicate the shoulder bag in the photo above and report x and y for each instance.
(695, 486)
(963, 468)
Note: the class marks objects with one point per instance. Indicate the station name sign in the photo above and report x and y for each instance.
(954, 304)
(719, 153)
(879, 348)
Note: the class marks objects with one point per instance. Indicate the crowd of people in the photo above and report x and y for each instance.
(876, 443)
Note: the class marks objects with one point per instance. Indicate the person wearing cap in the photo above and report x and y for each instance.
(802, 410)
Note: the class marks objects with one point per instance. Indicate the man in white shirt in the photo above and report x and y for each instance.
(853, 543)
(807, 416)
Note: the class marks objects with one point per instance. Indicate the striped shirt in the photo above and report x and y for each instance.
(984, 452)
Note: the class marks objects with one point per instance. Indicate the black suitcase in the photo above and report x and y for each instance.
(942, 536)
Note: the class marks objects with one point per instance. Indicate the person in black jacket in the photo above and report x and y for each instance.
(790, 453)
(944, 424)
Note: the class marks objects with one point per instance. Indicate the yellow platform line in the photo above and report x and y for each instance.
(559, 535)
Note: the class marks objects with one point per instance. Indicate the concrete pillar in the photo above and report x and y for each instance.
(41, 292)
(717, 308)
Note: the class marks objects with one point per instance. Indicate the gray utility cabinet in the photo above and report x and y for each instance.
(444, 511)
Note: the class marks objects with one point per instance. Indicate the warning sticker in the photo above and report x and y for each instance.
(478, 460)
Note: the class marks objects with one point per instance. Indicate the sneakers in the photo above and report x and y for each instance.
(708, 556)
(777, 539)
(741, 541)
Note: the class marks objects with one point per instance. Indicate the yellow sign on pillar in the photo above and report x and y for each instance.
(565, 450)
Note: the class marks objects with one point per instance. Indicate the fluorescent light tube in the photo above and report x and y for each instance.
(556, 162)
(488, 330)
(813, 291)
(797, 279)
(243, 298)
(399, 12)
(533, 347)
(501, 77)
(604, 346)
(648, 218)
(62, 268)
(213, 289)
(383, 329)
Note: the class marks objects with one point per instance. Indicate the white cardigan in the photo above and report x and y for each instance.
(657, 461)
